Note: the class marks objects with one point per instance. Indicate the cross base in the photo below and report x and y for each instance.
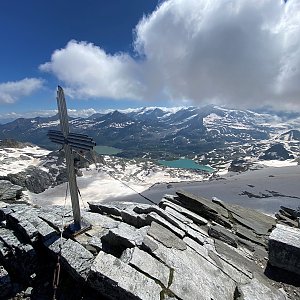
(73, 229)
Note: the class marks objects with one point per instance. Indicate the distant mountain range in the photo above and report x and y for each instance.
(168, 133)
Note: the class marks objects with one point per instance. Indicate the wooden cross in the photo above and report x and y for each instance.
(69, 141)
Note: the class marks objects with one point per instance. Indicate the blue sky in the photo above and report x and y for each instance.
(33, 29)
(119, 54)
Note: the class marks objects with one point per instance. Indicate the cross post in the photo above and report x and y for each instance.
(69, 141)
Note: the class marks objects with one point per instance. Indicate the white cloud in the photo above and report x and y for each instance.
(7, 117)
(242, 53)
(90, 72)
(11, 91)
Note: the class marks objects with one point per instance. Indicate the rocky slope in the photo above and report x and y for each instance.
(186, 248)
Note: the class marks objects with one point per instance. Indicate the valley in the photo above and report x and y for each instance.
(212, 151)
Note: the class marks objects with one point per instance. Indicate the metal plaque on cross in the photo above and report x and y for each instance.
(70, 141)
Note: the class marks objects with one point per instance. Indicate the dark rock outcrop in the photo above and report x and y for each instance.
(11, 143)
(34, 179)
(9, 191)
(277, 151)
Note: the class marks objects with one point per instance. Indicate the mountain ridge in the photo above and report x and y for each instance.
(164, 133)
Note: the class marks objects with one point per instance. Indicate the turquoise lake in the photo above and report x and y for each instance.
(185, 164)
(106, 150)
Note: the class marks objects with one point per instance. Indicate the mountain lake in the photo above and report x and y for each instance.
(185, 164)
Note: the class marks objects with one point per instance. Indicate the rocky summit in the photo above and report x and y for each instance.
(187, 247)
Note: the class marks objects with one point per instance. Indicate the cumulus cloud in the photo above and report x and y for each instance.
(90, 72)
(242, 53)
(11, 91)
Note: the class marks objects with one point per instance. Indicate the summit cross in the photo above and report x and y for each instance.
(70, 141)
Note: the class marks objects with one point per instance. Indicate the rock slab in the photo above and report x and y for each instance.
(117, 280)
(284, 248)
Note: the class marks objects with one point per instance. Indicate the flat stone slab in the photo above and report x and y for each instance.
(74, 257)
(125, 235)
(194, 276)
(183, 211)
(96, 219)
(201, 205)
(165, 236)
(147, 264)
(113, 278)
(204, 208)
(284, 248)
(260, 223)
(20, 257)
(256, 290)
(223, 234)
(155, 217)
(248, 234)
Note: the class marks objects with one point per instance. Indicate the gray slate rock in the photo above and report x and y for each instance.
(10, 191)
(294, 214)
(130, 217)
(98, 220)
(284, 248)
(125, 235)
(282, 218)
(113, 208)
(256, 289)
(231, 270)
(154, 217)
(75, 258)
(204, 208)
(147, 264)
(235, 259)
(165, 236)
(149, 244)
(258, 222)
(223, 234)
(117, 280)
(248, 234)
(185, 212)
(195, 277)
(19, 257)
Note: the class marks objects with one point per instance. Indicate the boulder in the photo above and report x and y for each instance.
(284, 248)
(10, 191)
